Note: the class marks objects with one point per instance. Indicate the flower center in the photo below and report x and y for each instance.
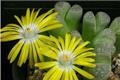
(29, 31)
(65, 59)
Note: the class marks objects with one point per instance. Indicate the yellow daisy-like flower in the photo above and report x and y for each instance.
(67, 57)
(29, 32)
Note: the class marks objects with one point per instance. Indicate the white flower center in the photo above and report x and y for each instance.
(29, 32)
(65, 59)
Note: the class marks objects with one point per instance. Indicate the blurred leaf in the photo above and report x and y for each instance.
(62, 8)
(115, 25)
(104, 48)
(75, 33)
(117, 44)
(102, 20)
(68, 16)
(19, 73)
(73, 16)
(92, 25)
(89, 26)
(106, 34)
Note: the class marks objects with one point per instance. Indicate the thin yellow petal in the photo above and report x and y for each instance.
(35, 17)
(75, 44)
(83, 73)
(59, 75)
(80, 46)
(37, 44)
(66, 75)
(53, 22)
(28, 15)
(67, 41)
(18, 19)
(46, 21)
(12, 25)
(11, 29)
(24, 21)
(48, 53)
(72, 43)
(31, 56)
(15, 50)
(27, 52)
(83, 63)
(51, 27)
(70, 75)
(74, 75)
(41, 17)
(8, 37)
(85, 59)
(49, 73)
(63, 76)
(34, 53)
(56, 41)
(83, 50)
(32, 15)
(86, 54)
(23, 54)
(44, 65)
(56, 75)
(60, 39)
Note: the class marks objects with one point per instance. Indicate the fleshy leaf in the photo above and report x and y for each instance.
(89, 26)
(117, 44)
(62, 8)
(68, 16)
(115, 26)
(102, 20)
(104, 48)
(73, 16)
(105, 34)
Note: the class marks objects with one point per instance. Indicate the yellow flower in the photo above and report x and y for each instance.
(29, 34)
(67, 57)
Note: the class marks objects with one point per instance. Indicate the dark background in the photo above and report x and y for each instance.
(11, 8)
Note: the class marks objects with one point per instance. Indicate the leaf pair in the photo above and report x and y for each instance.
(68, 16)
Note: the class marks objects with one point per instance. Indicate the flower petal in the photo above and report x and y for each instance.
(8, 36)
(47, 20)
(56, 75)
(44, 65)
(70, 75)
(37, 44)
(67, 41)
(61, 41)
(15, 51)
(41, 17)
(24, 54)
(83, 63)
(72, 43)
(86, 54)
(83, 50)
(66, 75)
(85, 59)
(18, 19)
(51, 27)
(75, 44)
(74, 75)
(49, 73)
(83, 73)
(48, 53)
(36, 14)
(34, 53)
(80, 46)
(56, 41)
